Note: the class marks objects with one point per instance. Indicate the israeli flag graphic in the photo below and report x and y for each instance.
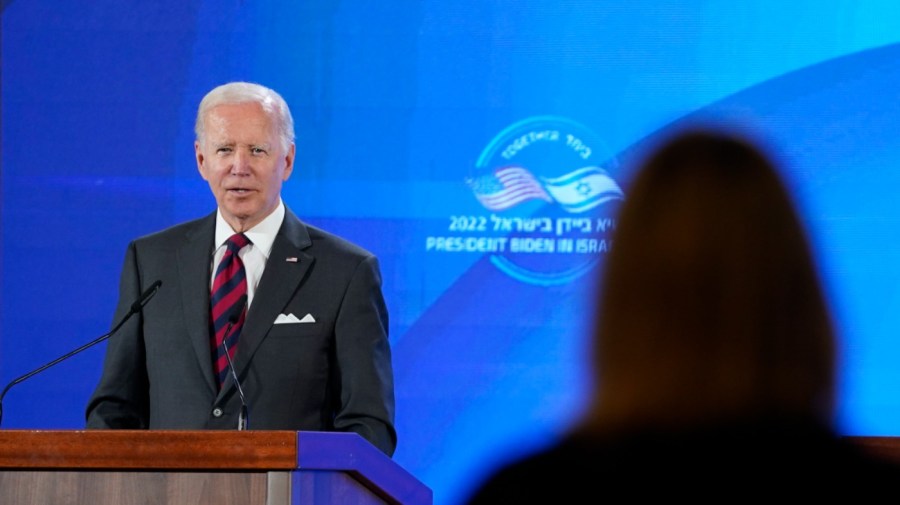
(583, 189)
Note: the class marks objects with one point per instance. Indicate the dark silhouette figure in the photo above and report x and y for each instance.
(714, 353)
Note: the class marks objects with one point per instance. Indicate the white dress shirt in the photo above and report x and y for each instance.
(254, 256)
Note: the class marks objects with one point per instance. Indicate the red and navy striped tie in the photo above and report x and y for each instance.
(229, 286)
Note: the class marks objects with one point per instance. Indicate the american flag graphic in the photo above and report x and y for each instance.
(506, 187)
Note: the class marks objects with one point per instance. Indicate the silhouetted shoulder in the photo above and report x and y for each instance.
(716, 462)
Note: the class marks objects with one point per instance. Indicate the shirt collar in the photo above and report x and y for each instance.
(262, 235)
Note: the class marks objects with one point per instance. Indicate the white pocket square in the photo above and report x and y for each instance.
(286, 318)
(291, 318)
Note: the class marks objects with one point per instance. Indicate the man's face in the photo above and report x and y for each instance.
(242, 159)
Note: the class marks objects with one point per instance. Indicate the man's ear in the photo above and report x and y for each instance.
(198, 154)
(289, 161)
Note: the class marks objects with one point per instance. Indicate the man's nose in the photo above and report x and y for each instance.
(241, 165)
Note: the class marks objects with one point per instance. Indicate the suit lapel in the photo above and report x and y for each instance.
(193, 268)
(285, 269)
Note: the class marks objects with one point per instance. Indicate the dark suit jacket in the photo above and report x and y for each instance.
(331, 375)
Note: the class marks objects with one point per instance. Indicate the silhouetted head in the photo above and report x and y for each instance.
(710, 303)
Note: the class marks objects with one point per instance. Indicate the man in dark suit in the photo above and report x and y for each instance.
(312, 351)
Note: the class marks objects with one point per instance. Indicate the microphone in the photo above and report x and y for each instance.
(135, 308)
(232, 320)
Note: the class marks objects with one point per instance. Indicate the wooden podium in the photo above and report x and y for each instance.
(126, 467)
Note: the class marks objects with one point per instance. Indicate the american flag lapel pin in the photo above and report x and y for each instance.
(291, 259)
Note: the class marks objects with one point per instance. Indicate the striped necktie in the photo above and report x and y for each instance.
(229, 286)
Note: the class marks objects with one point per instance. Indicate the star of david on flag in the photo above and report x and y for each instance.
(583, 189)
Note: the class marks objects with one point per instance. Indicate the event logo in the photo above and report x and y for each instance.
(549, 197)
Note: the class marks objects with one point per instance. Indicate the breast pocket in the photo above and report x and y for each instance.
(293, 356)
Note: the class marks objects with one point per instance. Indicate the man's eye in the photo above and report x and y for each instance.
(258, 150)
(223, 150)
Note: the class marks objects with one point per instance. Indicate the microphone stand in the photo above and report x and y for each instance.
(233, 318)
(243, 415)
(135, 308)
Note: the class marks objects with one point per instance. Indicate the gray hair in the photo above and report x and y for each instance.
(247, 92)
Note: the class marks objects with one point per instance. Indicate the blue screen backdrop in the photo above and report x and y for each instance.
(480, 148)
